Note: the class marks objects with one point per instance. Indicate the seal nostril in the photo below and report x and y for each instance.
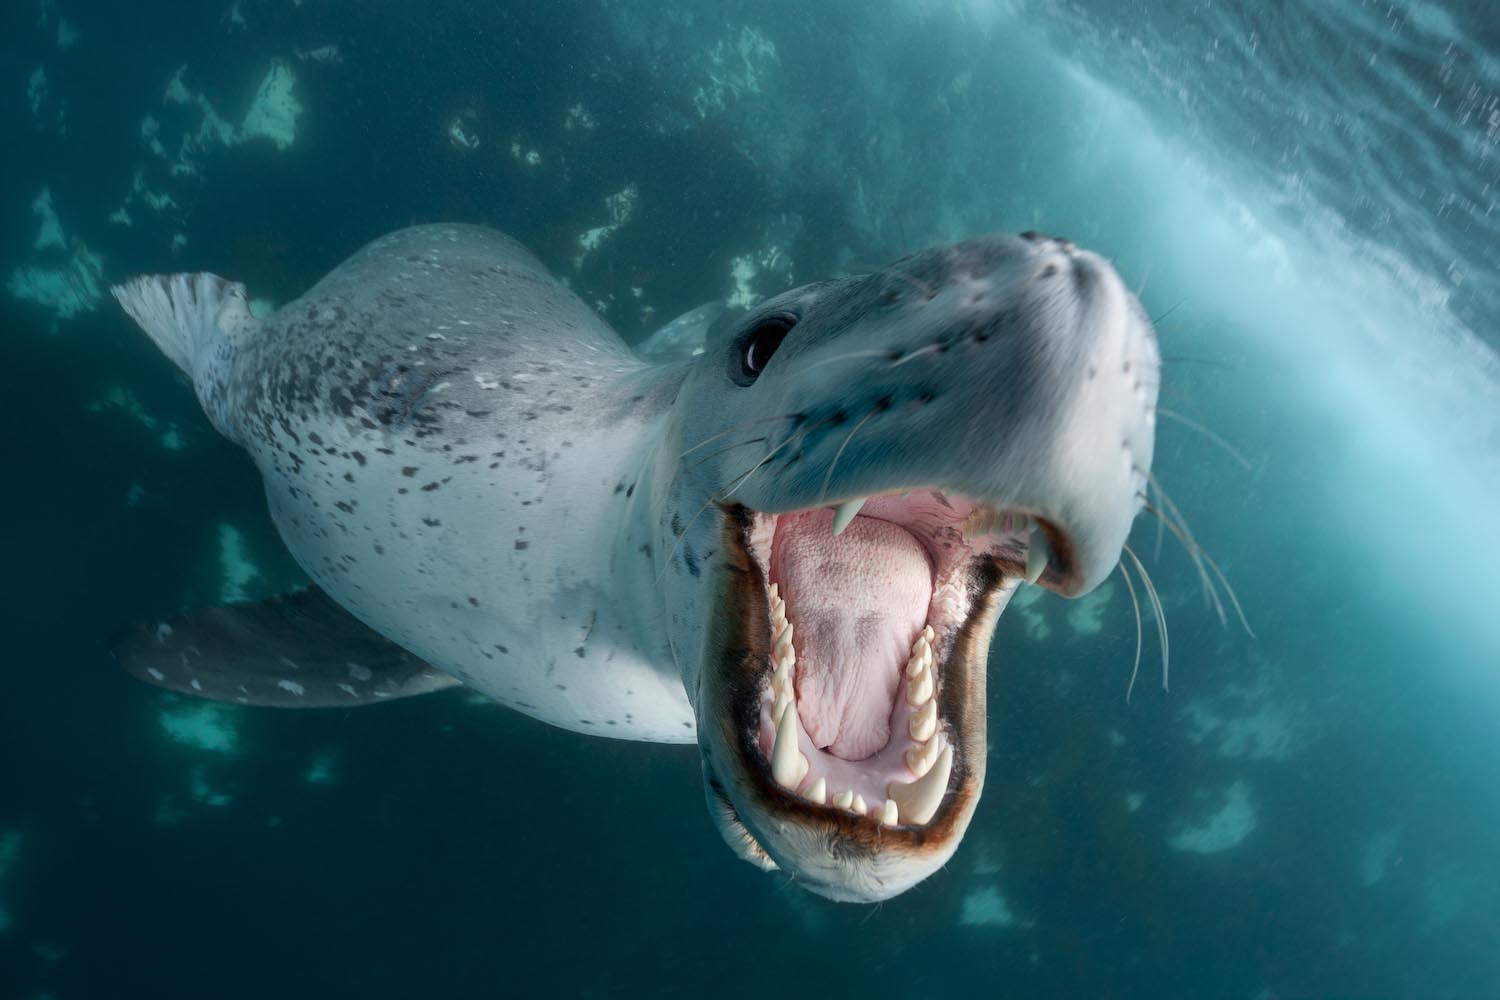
(1049, 271)
(1032, 236)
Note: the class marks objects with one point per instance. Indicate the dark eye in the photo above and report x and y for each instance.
(760, 342)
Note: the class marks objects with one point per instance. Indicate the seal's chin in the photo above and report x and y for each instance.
(843, 708)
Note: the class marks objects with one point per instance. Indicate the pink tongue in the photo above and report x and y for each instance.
(857, 602)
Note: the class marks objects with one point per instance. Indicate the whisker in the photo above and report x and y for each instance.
(1188, 422)
(1178, 524)
(1195, 553)
(667, 562)
(828, 477)
(725, 433)
(1228, 589)
(724, 450)
(1136, 604)
(1161, 616)
(794, 436)
(1157, 319)
(916, 354)
(1178, 359)
(872, 353)
(1199, 553)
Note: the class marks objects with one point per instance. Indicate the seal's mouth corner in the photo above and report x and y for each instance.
(852, 700)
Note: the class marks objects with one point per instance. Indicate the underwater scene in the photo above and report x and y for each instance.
(898, 280)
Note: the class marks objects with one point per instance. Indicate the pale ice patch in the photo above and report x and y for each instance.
(205, 794)
(1229, 824)
(68, 289)
(530, 157)
(579, 117)
(49, 233)
(986, 906)
(236, 571)
(272, 115)
(1026, 606)
(621, 206)
(1254, 721)
(1377, 851)
(64, 276)
(734, 68)
(1086, 615)
(261, 308)
(274, 112)
(36, 91)
(122, 399)
(1134, 801)
(743, 270)
(67, 34)
(320, 771)
(203, 725)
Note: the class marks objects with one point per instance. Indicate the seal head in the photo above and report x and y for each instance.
(874, 465)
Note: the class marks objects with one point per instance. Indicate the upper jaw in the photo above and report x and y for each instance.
(829, 848)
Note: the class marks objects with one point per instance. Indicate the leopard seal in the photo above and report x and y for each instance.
(785, 536)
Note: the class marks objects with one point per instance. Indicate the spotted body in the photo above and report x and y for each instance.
(452, 444)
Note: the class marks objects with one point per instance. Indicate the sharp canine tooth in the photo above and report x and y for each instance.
(843, 799)
(788, 766)
(845, 514)
(818, 791)
(919, 758)
(1037, 554)
(919, 800)
(783, 643)
(888, 812)
(923, 722)
(858, 805)
(919, 688)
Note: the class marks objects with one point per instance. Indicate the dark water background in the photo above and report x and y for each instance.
(1306, 194)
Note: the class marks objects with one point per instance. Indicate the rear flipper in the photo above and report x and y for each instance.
(297, 650)
(199, 321)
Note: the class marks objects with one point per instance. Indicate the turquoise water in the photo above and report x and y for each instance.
(1304, 195)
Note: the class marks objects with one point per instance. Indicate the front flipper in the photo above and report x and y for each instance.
(298, 650)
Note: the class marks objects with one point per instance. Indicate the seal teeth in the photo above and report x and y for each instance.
(923, 722)
(845, 513)
(919, 759)
(1038, 551)
(817, 792)
(918, 801)
(889, 812)
(919, 686)
(788, 764)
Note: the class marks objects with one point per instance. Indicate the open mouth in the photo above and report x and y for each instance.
(864, 694)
